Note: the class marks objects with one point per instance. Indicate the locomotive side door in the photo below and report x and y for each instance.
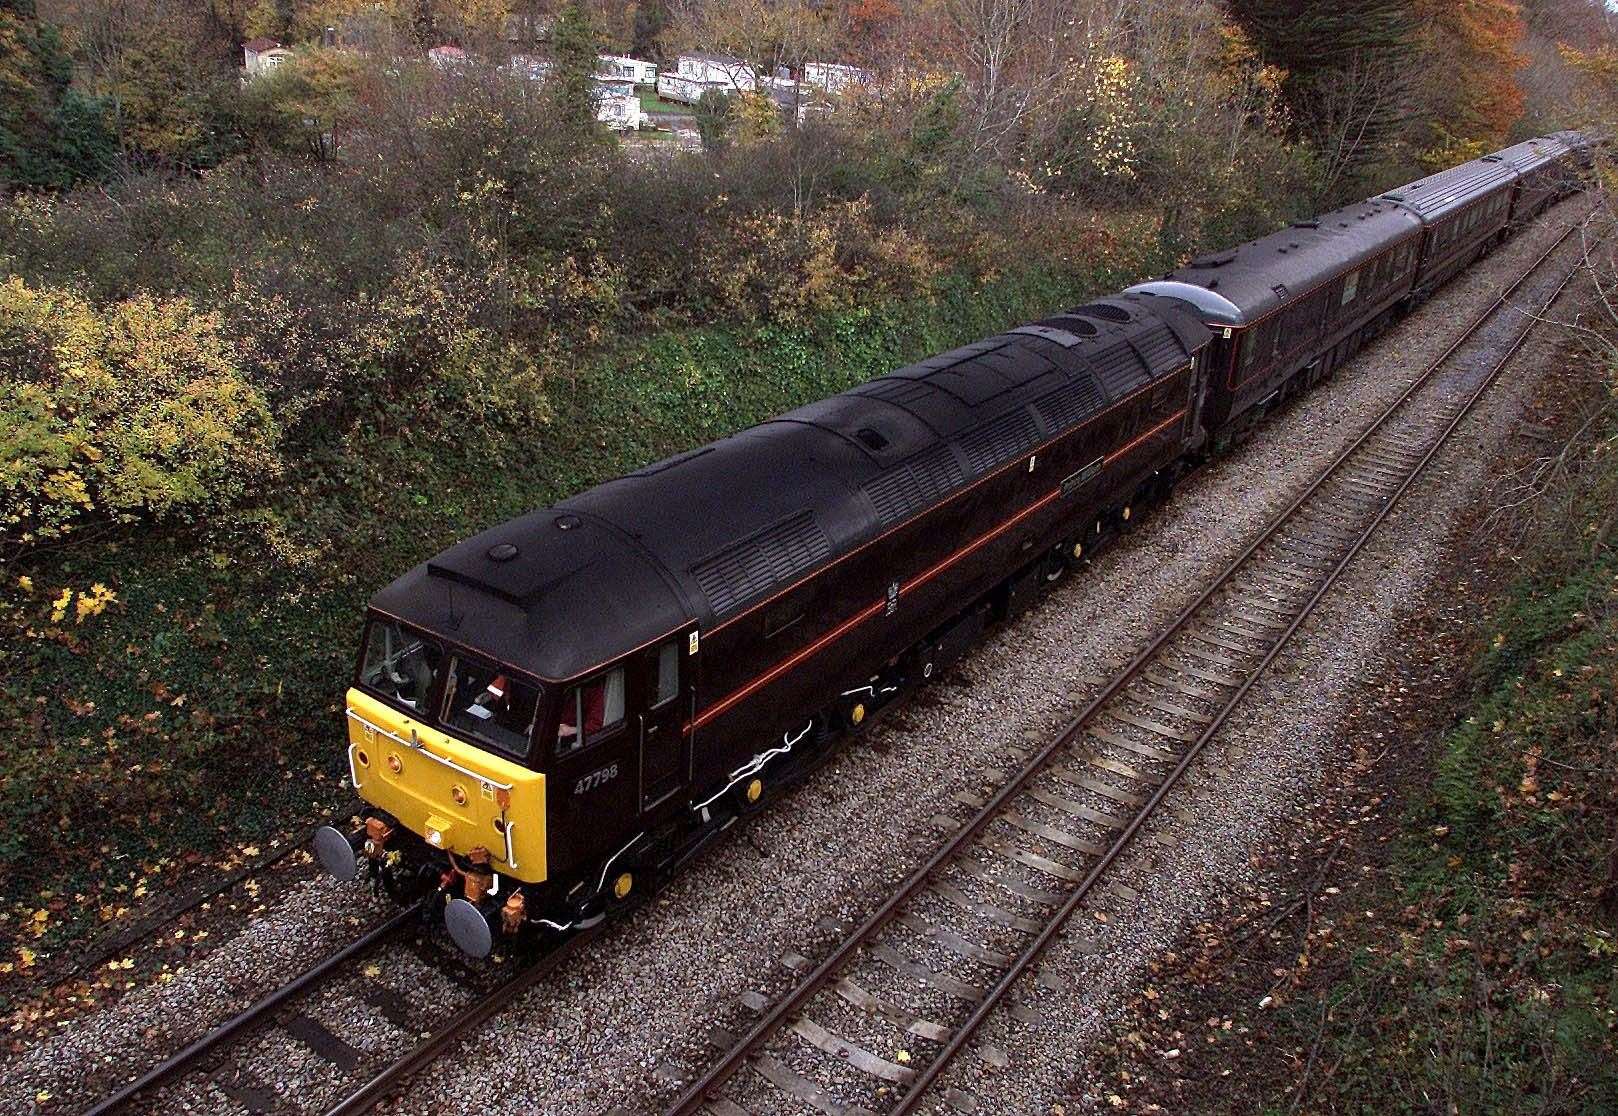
(667, 682)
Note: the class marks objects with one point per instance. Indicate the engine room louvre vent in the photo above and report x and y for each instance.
(747, 570)
(1119, 369)
(1000, 440)
(897, 389)
(1105, 313)
(1159, 348)
(919, 483)
(1070, 405)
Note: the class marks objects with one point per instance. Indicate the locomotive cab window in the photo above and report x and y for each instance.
(490, 705)
(597, 706)
(401, 666)
(667, 686)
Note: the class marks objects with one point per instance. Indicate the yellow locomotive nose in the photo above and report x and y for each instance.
(454, 796)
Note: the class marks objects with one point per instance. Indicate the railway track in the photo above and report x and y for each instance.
(873, 1026)
(946, 950)
(426, 993)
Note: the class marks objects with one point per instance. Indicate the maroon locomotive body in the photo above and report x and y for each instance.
(662, 650)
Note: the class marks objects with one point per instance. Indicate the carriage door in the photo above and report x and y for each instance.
(667, 672)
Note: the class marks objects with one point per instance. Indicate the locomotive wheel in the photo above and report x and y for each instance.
(1055, 567)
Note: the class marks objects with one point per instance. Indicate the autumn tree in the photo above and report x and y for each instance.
(307, 103)
(1473, 96)
(767, 34)
(167, 74)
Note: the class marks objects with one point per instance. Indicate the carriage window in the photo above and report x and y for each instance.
(597, 705)
(1351, 286)
(1249, 348)
(400, 665)
(668, 673)
(491, 705)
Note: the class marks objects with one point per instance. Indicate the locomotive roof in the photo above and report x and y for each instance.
(713, 532)
(1241, 284)
(1439, 194)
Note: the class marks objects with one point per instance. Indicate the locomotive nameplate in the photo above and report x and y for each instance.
(1077, 480)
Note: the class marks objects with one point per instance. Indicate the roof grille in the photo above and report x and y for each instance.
(1119, 369)
(1105, 312)
(1159, 348)
(917, 484)
(747, 570)
(1000, 440)
(1070, 404)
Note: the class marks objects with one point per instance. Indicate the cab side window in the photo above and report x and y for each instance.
(596, 707)
(668, 674)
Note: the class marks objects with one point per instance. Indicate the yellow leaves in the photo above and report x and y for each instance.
(88, 603)
(138, 409)
(373, 970)
(93, 603)
(25, 583)
(121, 964)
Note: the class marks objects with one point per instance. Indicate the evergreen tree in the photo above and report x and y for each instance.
(51, 136)
(715, 114)
(570, 88)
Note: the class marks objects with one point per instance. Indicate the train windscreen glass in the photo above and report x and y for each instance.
(490, 705)
(401, 666)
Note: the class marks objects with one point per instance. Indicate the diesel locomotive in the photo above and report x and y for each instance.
(549, 717)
